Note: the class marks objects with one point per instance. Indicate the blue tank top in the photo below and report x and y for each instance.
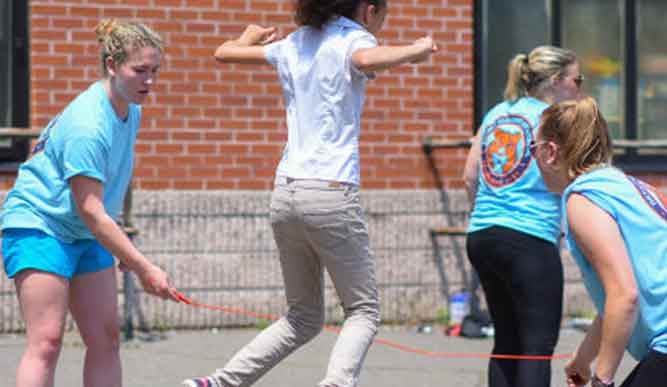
(641, 214)
(511, 192)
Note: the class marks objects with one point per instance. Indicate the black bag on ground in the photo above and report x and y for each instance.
(473, 325)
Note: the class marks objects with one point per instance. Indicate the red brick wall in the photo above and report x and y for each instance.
(212, 126)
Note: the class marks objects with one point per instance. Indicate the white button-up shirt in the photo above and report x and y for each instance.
(324, 96)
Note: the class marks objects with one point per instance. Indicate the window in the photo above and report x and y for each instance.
(652, 69)
(503, 32)
(620, 47)
(14, 79)
(5, 54)
(598, 48)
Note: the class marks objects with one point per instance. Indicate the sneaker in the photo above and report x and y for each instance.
(208, 381)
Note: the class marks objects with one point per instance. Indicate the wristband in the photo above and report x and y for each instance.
(596, 382)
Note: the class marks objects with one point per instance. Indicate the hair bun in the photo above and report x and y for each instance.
(105, 28)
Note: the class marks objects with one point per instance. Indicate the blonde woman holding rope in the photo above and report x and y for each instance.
(59, 232)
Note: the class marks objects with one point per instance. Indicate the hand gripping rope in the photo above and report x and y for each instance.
(384, 342)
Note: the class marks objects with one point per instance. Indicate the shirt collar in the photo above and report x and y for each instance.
(346, 22)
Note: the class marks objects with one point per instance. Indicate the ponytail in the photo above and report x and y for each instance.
(526, 74)
(516, 72)
(581, 131)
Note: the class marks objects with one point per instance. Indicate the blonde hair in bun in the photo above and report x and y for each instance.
(118, 39)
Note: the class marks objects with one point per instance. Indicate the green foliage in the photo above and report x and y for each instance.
(442, 316)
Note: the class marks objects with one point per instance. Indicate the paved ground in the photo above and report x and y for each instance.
(182, 354)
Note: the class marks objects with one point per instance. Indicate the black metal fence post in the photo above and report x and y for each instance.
(129, 289)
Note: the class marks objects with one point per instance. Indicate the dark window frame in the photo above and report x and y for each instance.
(19, 67)
(628, 159)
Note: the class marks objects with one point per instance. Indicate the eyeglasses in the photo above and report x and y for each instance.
(578, 80)
(532, 148)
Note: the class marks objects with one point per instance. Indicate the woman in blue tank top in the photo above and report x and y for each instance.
(515, 222)
(616, 229)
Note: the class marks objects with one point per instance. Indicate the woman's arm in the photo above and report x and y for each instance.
(471, 169)
(578, 370)
(598, 236)
(88, 193)
(248, 48)
(380, 58)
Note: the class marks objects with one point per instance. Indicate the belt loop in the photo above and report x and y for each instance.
(283, 180)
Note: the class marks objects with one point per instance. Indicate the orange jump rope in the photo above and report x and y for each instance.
(380, 341)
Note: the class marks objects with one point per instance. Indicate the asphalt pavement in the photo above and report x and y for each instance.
(164, 360)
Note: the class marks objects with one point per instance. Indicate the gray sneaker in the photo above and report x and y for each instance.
(208, 381)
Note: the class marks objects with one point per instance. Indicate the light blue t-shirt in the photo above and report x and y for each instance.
(86, 139)
(324, 96)
(641, 214)
(511, 192)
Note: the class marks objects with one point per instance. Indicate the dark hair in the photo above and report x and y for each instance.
(316, 13)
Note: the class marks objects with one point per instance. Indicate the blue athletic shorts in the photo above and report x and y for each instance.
(26, 248)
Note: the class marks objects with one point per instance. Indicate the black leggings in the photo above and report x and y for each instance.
(649, 372)
(522, 278)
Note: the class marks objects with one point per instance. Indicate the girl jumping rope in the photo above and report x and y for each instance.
(316, 216)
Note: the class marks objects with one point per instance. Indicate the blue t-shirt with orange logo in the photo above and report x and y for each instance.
(86, 139)
(511, 192)
(641, 214)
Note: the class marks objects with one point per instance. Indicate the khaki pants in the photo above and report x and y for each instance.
(316, 225)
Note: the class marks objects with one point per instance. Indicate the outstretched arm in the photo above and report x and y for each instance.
(248, 48)
(385, 57)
